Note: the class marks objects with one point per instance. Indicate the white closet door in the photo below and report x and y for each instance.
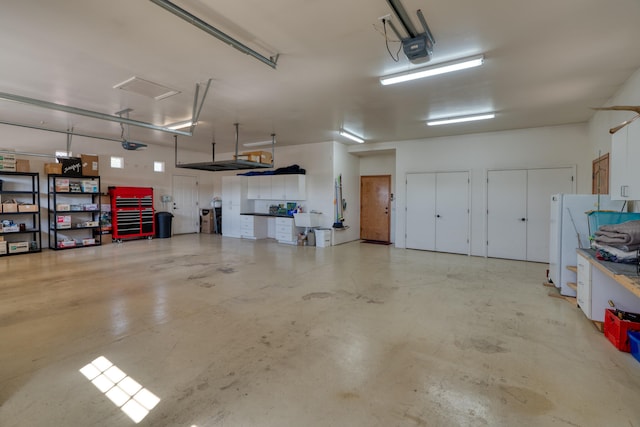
(420, 224)
(452, 212)
(507, 214)
(541, 184)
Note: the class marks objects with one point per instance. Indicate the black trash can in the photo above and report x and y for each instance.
(163, 224)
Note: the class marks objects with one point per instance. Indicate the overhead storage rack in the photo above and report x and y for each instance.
(226, 165)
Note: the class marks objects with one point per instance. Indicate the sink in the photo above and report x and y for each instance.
(307, 219)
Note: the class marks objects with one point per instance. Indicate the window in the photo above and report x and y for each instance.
(117, 162)
(158, 166)
(63, 154)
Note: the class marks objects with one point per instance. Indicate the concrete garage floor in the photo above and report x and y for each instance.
(227, 332)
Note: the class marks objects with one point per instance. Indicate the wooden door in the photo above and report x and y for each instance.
(452, 212)
(421, 211)
(507, 214)
(600, 175)
(375, 207)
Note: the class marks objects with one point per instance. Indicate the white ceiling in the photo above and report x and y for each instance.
(546, 63)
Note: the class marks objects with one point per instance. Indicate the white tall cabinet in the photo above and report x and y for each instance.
(438, 211)
(234, 202)
(624, 170)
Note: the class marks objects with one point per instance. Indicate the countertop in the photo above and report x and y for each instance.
(625, 274)
(267, 214)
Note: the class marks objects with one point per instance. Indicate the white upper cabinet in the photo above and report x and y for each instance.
(277, 187)
(625, 156)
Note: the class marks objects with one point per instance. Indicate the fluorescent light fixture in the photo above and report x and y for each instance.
(434, 70)
(180, 125)
(351, 136)
(259, 143)
(461, 119)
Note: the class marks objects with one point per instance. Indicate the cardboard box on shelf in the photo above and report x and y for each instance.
(9, 207)
(89, 165)
(22, 165)
(27, 208)
(71, 166)
(88, 242)
(62, 185)
(258, 156)
(53, 168)
(7, 168)
(7, 157)
(18, 247)
(90, 186)
(3, 247)
(63, 207)
(67, 244)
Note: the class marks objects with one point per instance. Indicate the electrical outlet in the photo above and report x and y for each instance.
(386, 17)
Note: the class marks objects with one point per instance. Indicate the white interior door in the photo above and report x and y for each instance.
(420, 223)
(185, 204)
(452, 212)
(507, 214)
(541, 184)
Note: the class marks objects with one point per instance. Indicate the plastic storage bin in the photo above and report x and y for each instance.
(634, 341)
(323, 237)
(616, 330)
(598, 218)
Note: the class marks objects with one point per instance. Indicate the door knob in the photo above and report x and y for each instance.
(437, 216)
(523, 219)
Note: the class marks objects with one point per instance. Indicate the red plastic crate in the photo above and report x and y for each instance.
(616, 330)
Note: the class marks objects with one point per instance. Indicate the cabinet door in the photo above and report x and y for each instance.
(619, 169)
(253, 187)
(452, 212)
(295, 187)
(507, 214)
(265, 187)
(633, 160)
(278, 191)
(421, 211)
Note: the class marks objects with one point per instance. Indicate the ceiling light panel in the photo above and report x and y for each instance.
(146, 88)
(461, 119)
(434, 70)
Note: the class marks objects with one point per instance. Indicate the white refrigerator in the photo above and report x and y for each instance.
(569, 230)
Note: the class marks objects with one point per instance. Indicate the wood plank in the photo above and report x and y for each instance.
(572, 285)
(572, 268)
(570, 300)
(599, 325)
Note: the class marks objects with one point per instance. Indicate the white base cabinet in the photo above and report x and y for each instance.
(253, 227)
(584, 285)
(286, 231)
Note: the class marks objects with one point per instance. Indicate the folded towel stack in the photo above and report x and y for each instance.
(618, 242)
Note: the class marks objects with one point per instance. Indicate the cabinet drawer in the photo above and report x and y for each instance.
(287, 237)
(288, 222)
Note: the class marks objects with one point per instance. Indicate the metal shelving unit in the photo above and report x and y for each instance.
(24, 187)
(74, 212)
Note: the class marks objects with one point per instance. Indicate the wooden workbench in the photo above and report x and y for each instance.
(613, 281)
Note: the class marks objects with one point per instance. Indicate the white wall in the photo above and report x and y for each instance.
(556, 146)
(348, 166)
